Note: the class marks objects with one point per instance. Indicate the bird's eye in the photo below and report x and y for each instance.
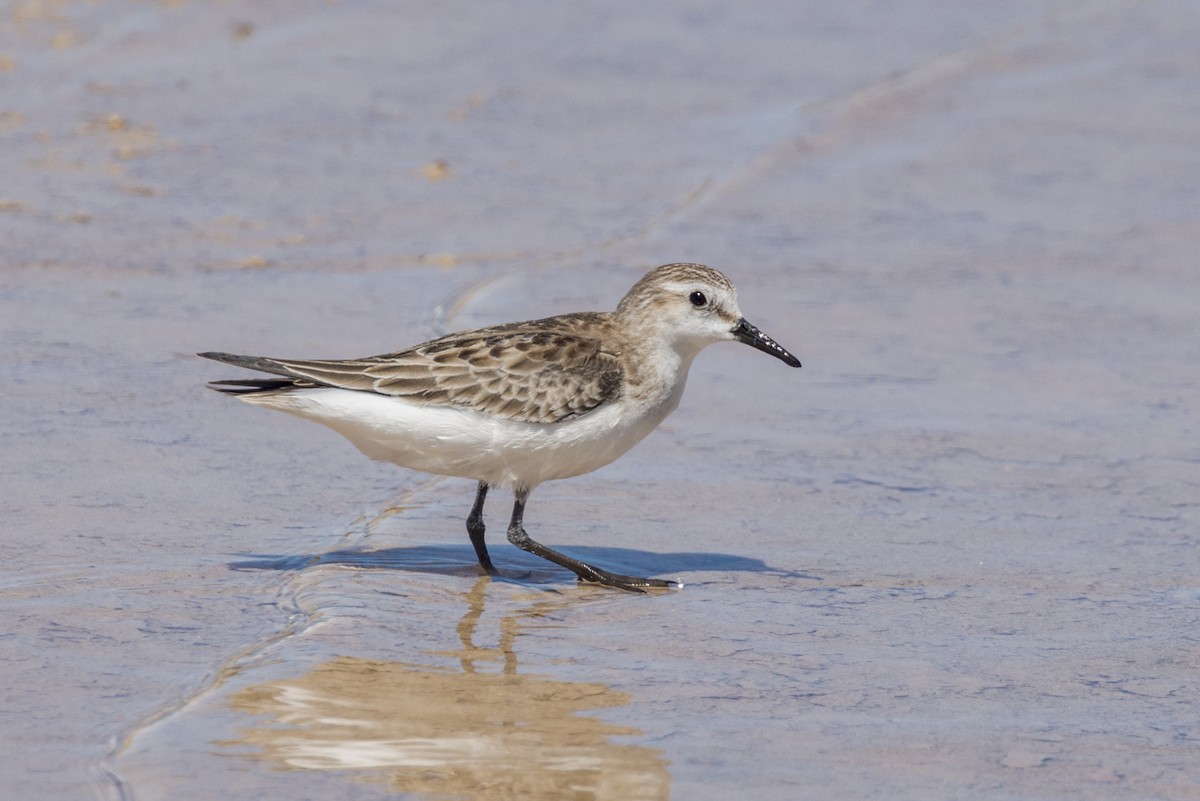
(697, 299)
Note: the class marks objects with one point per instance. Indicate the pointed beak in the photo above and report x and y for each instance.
(744, 332)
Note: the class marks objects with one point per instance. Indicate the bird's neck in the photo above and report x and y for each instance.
(659, 377)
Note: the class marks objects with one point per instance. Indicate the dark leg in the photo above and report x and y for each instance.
(518, 537)
(475, 529)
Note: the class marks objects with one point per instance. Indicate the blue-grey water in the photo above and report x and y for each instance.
(954, 556)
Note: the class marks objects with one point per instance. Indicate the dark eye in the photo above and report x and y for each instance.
(697, 299)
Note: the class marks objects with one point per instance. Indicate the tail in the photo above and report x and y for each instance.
(260, 363)
(252, 386)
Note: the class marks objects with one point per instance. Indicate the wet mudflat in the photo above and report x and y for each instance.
(954, 556)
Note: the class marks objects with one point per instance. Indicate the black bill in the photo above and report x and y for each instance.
(744, 332)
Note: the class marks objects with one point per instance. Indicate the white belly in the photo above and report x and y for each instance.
(455, 441)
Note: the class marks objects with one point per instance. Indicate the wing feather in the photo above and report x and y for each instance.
(544, 371)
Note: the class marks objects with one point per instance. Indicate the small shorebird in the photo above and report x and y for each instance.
(518, 404)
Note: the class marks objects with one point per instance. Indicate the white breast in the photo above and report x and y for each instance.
(462, 442)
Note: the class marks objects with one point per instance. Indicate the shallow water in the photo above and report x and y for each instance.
(954, 556)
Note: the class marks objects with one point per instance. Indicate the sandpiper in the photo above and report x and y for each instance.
(518, 404)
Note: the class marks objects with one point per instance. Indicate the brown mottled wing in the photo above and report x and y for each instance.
(524, 373)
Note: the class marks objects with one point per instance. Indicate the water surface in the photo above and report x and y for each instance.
(953, 556)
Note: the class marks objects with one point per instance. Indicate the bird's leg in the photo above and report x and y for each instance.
(586, 572)
(476, 529)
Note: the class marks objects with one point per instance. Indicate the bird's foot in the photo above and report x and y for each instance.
(629, 583)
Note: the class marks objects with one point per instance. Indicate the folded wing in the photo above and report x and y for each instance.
(528, 374)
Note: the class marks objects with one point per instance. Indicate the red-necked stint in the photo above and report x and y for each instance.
(518, 404)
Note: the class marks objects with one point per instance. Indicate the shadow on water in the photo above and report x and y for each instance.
(459, 560)
(480, 730)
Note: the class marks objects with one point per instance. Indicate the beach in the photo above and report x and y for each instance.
(953, 556)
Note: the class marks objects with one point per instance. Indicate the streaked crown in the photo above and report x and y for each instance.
(653, 284)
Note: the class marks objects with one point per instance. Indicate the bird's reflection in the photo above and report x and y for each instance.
(484, 731)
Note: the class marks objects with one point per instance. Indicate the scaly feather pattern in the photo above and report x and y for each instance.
(540, 371)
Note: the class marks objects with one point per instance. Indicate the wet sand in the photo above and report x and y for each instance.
(954, 556)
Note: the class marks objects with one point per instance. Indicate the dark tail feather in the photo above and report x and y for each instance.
(260, 363)
(248, 386)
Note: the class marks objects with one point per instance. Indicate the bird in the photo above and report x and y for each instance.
(518, 404)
